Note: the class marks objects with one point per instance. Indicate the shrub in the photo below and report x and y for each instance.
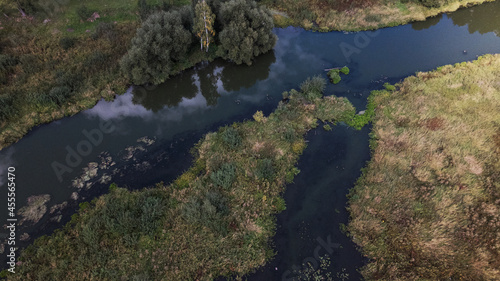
(298, 146)
(184, 180)
(104, 30)
(68, 79)
(334, 76)
(67, 42)
(389, 87)
(280, 204)
(30, 63)
(290, 175)
(259, 116)
(6, 64)
(96, 60)
(160, 42)
(231, 137)
(265, 169)
(6, 107)
(313, 87)
(208, 210)
(151, 210)
(60, 94)
(41, 99)
(290, 135)
(246, 31)
(224, 177)
(327, 127)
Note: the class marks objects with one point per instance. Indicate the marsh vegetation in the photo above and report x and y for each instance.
(426, 207)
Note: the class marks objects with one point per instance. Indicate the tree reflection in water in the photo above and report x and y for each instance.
(211, 79)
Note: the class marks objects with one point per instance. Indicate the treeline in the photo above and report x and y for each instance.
(236, 30)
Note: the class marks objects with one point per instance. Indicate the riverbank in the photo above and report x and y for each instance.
(357, 15)
(426, 207)
(61, 61)
(215, 220)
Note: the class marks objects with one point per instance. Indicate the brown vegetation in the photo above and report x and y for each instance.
(427, 206)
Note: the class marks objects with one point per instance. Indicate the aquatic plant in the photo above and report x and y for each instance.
(334, 74)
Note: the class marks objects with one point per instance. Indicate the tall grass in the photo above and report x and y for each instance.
(356, 15)
(426, 207)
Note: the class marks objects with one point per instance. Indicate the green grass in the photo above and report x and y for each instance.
(426, 207)
(216, 219)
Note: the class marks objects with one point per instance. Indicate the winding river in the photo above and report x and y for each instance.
(144, 136)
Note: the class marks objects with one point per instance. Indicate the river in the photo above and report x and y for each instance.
(144, 136)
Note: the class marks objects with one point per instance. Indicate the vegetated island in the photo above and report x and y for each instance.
(357, 15)
(216, 219)
(427, 207)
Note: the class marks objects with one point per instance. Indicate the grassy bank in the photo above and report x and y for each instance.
(216, 219)
(427, 205)
(356, 15)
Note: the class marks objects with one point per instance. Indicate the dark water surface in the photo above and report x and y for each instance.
(175, 115)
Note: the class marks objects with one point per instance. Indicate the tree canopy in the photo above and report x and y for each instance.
(246, 31)
(161, 41)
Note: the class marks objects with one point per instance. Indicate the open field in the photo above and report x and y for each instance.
(427, 205)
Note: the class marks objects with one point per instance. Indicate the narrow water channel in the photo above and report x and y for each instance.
(150, 130)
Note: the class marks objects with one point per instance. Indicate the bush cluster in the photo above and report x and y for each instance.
(162, 43)
(224, 177)
(231, 137)
(208, 210)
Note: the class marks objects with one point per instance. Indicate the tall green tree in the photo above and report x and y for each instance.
(160, 42)
(246, 31)
(204, 24)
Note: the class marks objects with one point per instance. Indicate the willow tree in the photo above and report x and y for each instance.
(160, 43)
(246, 31)
(204, 24)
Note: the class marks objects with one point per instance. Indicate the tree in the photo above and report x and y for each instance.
(160, 42)
(204, 24)
(246, 31)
